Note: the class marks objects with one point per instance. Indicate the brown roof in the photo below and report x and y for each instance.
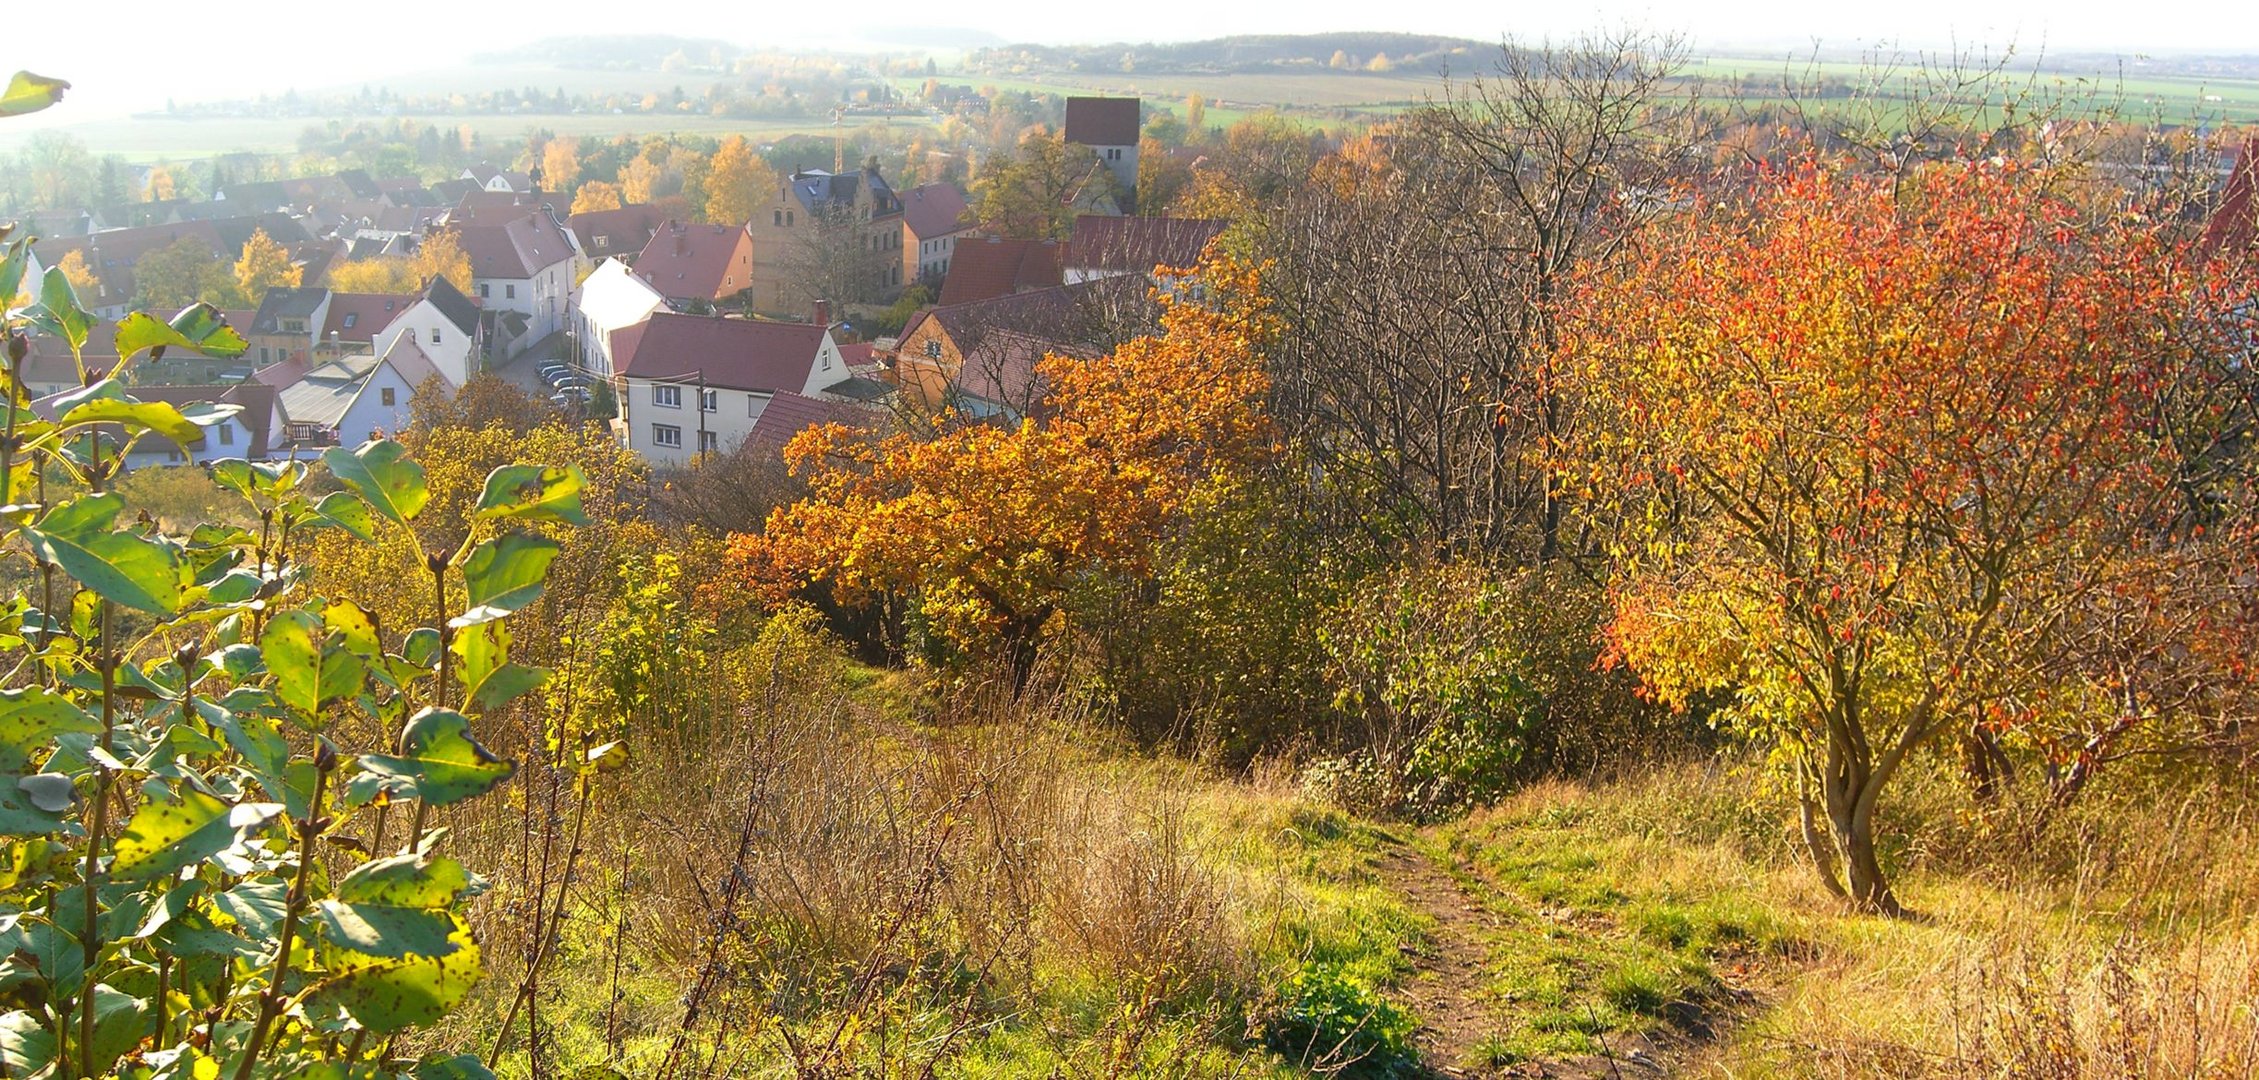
(1103, 121)
(520, 248)
(736, 354)
(1137, 244)
(982, 268)
(788, 414)
(623, 231)
(707, 262)
(932, 210)
(358, 316)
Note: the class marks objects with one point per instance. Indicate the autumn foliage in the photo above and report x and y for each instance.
(1892, 459)
(986, 527)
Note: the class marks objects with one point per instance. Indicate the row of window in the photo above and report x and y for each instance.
(668, 435)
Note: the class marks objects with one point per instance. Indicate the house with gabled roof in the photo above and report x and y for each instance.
(861, 205)
(1110, 127)
(979, 359)
(522, 266)
(691, 384)
(2234, 223)
(615, 234)
(1110, 246)
(934, 217)
(694, 265)
(611, 299)
(492, 179)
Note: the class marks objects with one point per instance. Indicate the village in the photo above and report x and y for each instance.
(687, 338)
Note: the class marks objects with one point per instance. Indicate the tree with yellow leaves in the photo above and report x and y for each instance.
(264, 265)
(442, 255)
(560, 164)
(384, 274)
(596, 195)
(637, 178)
(159, 186)
(81, 276)
(988, 528)
(737, 183)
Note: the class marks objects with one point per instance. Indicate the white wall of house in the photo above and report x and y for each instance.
(438, 336)
(610, 300)
(230, 438)
(382, 405)
(543, 298)
(661, 418)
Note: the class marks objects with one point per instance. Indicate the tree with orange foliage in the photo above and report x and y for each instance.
(596, 195)
(1900, 464)
(985, 527)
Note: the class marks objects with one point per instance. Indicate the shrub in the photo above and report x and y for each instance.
(1328, 1020)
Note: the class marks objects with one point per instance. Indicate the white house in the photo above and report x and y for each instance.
(933, 219)
(612, 299)
(1110, 128)
(524, 265)
(349, 399)
(444, 324)
(489, 178)
(694, 383)
(242, 435)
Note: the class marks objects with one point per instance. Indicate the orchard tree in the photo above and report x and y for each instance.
(442, 255)
(596, 195)
(1034, 191)
(1895, 464)
(986, 528)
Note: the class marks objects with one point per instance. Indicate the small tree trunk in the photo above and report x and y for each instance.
(1816, 842)
(1869, 890)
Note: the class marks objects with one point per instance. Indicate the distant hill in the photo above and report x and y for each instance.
(615, 52)
(1251, 53)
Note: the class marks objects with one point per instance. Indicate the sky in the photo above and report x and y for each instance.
(132, 54)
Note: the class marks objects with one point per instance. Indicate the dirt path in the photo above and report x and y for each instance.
(1445, 989)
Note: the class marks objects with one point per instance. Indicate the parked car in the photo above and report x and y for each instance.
(571, 382)
(553, 368)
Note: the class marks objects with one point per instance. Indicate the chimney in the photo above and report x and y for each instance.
(822, 314)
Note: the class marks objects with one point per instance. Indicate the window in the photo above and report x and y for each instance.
(227, 434)
(753, 403)
(435, 335)
(666, 435)
(263, 354)
(667, 397)
(486, 290)
(509, 292)
(776, 217)
(709, 401)
(351, 317)
(384, 396)
(709, 441)
(788, 219)
(933, 348)
(294, 326)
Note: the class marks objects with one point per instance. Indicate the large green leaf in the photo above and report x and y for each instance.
(167, 834)
(341, 509)
(27, 1048)
(292, 646)
(120, 1022)
(30, 718)
(58, 312)
(534, 493)
(256, 905)
(505, 574)
(396, 907)
(389, 994)
(124, 568)
(198, 327)
(505, 684)
(35, 805)
(158, 416)
(381, 472)
(459, 1067)
(29, 93)
(480, 650)
(440, 757)
(35, 950)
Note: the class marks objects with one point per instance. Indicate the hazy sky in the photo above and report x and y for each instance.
(119, 54)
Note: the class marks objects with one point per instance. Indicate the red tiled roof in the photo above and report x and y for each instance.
(1137, 244)
(709, 262)
(520, 248)
(788, 414)
(2236, 219)
(358, 316)
(616, 232)
(1103, 121)
(982, 268)
(932, 210)
(735, 354)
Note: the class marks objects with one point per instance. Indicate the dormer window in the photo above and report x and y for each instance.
(351, 317)
(933, 349)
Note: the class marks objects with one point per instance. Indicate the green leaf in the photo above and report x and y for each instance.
(29, 93)
(160, 417)
(135, 571)
(534, 493)
(439, 755)
(459, 1067)
(506, 683)
(292, 646)
(35, 805)
(34, 949)
(256, 905)
(199, 327)
(354, 628)
(381, 472)
(120, 1020)
(58, 312)
(168, 834)
(397, 906)
(341, 509)
(30, 719)
(27, 1048)
(480, 650)
(389, 994)
(505, 574)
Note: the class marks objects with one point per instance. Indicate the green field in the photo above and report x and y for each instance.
(166, 139)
